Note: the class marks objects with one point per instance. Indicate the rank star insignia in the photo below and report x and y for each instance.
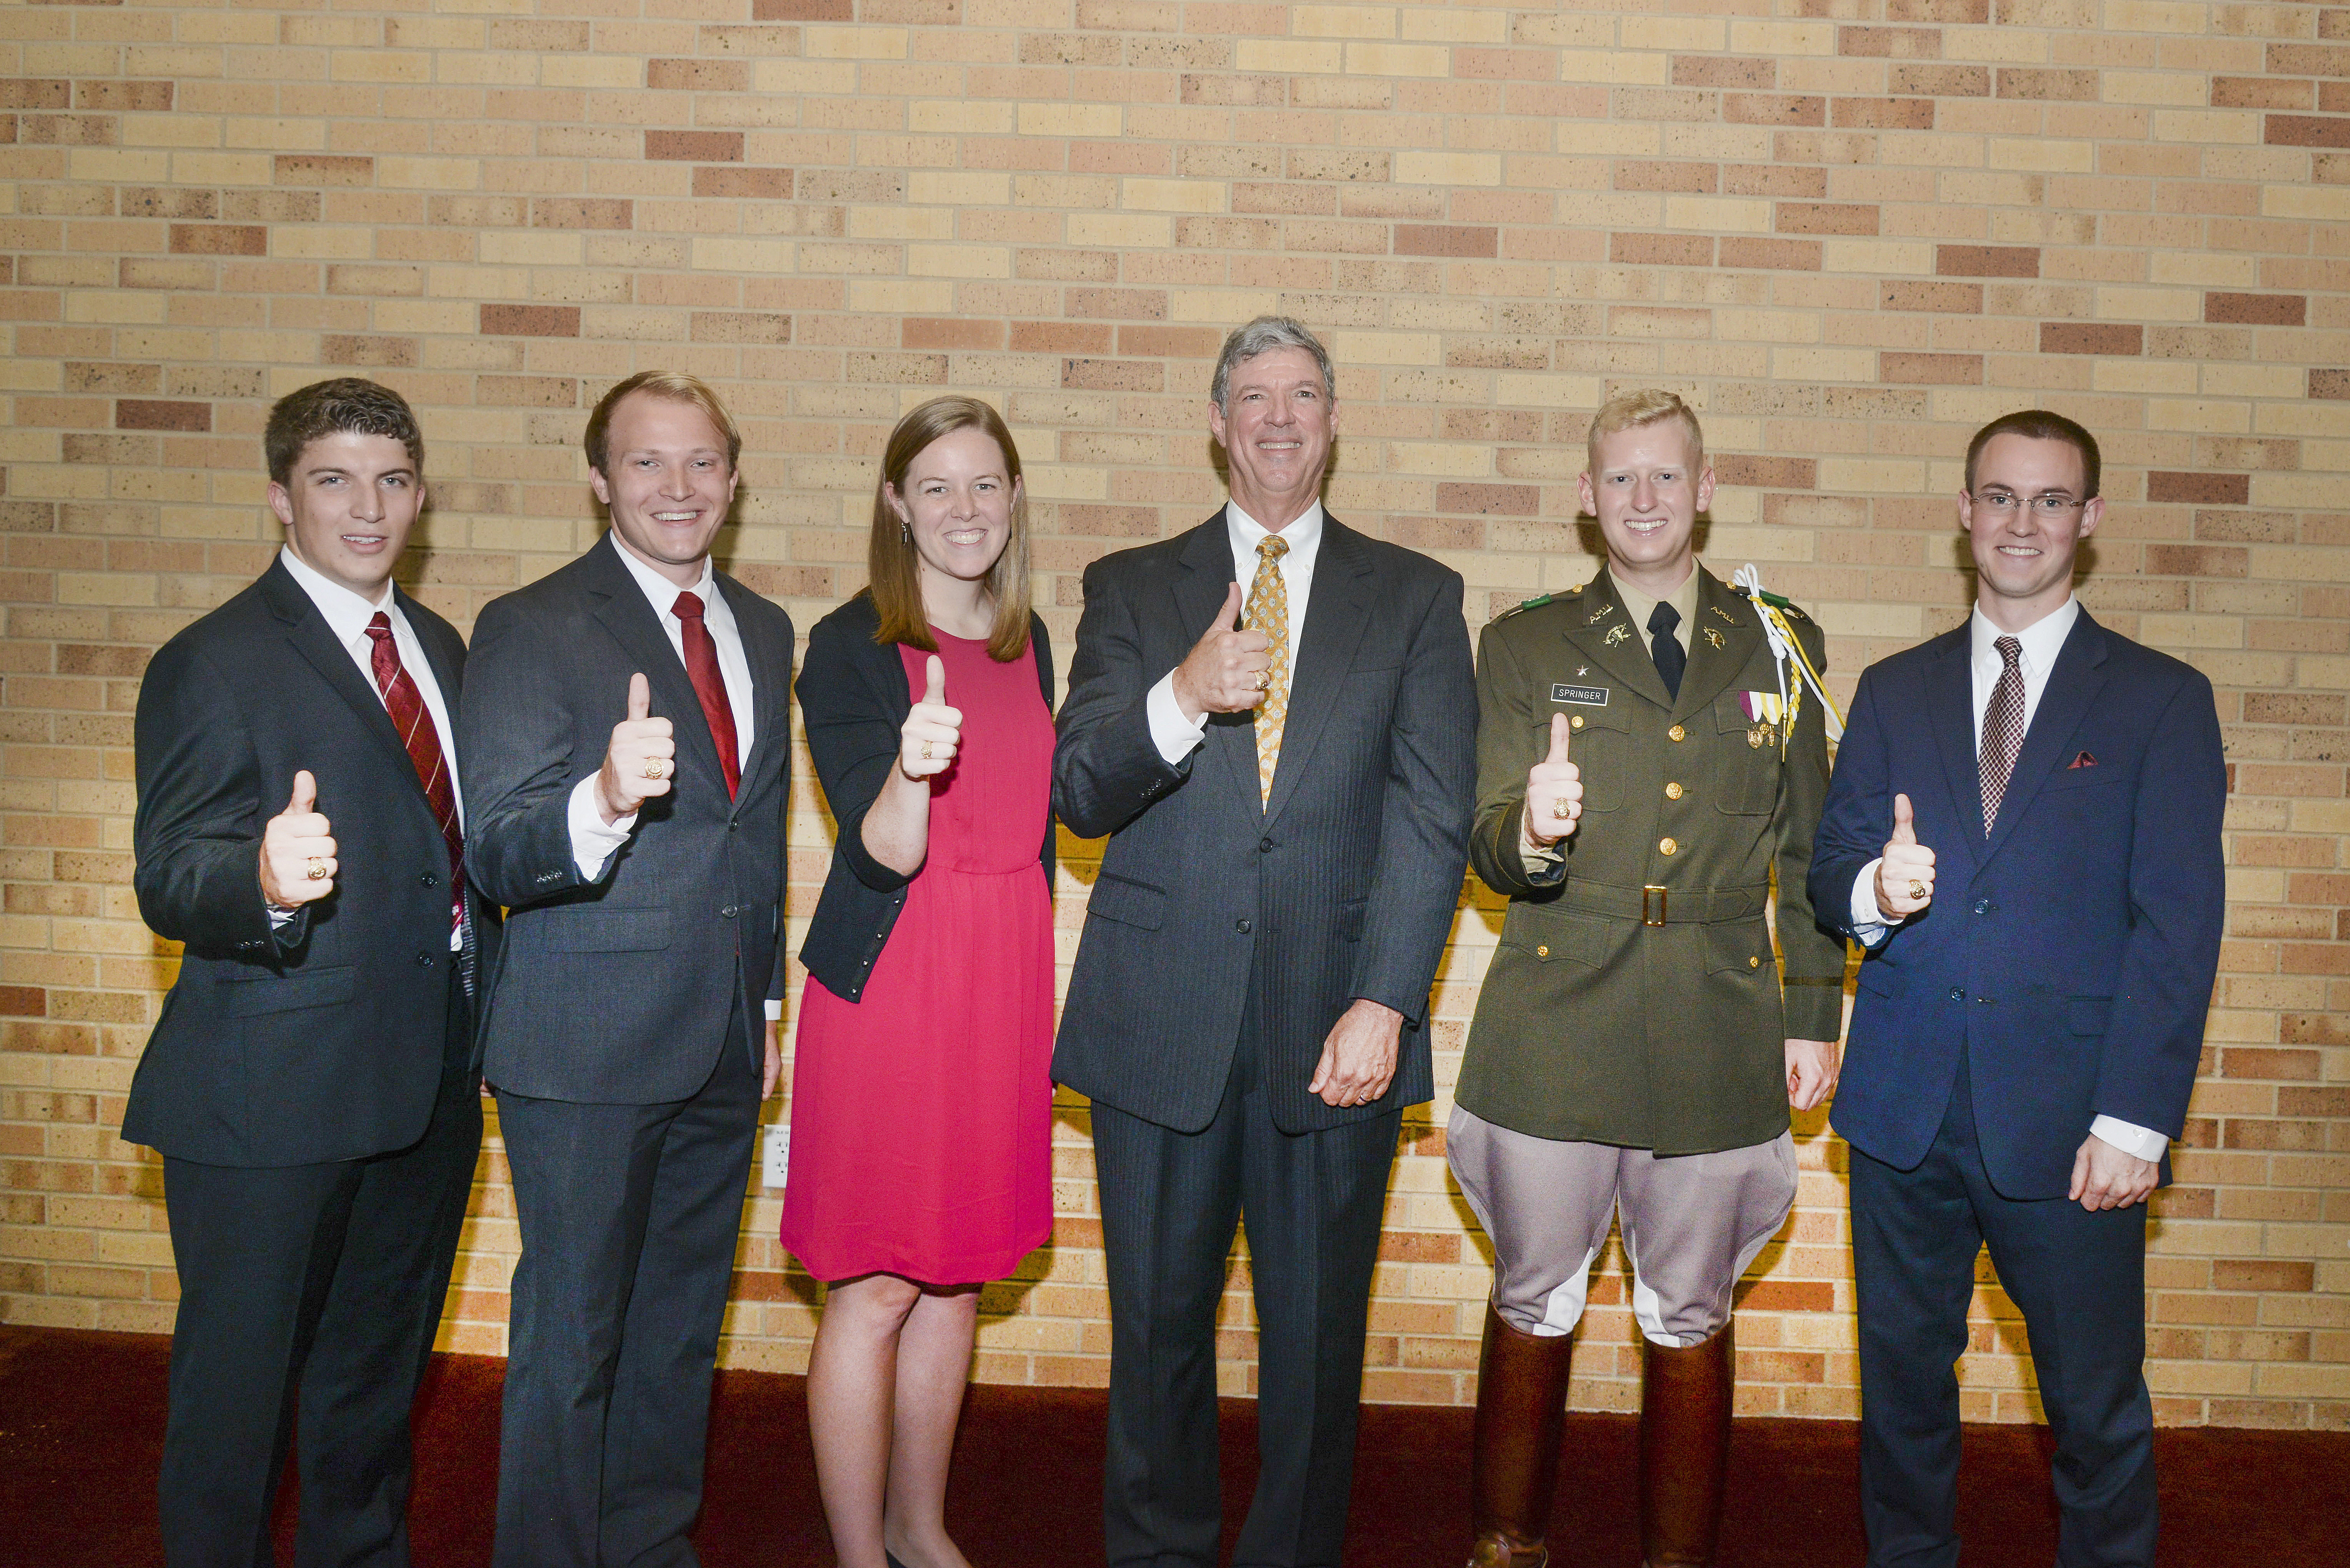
(1583, 670)
(1616, 633)
(1715, 637)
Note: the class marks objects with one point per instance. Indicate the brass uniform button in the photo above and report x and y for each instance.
(1543, 951)
(1575, 723)
(1667, 847)
(1677, 732)
(1753, 962)
(1672, 792)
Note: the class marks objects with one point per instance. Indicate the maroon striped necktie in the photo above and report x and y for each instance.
(702, 667)
(405, 703)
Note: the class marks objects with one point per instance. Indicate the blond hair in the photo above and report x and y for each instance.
(673, 385)
(1625, 410)
(893, 569)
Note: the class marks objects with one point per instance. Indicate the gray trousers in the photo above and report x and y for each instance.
(1691, 1223)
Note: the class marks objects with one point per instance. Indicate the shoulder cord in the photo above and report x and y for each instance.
(1787, 648)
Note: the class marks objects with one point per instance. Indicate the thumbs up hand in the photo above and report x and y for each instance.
(1553, 790)
(1228, 670)
(928, 739)
(641, 759)
(1905, 876)
(297, 854)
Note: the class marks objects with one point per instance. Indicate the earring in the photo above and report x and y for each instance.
(905, 535)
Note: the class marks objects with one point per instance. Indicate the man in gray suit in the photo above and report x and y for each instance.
(1286, 779)
(625, 735)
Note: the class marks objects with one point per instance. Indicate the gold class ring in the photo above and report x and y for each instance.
(653, 768)
(926, 751)
(1916, 889)
(318, 871)
(1558, 808)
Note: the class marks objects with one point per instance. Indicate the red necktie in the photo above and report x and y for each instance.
(405, 703)
(702, 668)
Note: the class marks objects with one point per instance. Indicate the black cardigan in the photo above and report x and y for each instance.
(854, 700)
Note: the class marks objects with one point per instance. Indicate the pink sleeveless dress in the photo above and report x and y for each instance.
(921, 1115)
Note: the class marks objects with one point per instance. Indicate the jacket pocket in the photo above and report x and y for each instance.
(1746, 781)
(284, 993)
(1560, 936)
(1741, 947)
(599, 931)
(1129, 903)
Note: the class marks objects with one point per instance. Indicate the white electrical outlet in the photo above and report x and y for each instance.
(775, 1156)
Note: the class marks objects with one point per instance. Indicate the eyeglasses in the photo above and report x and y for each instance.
(2002, 503)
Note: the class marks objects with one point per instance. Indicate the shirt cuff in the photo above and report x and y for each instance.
(774, 1010)
(280, 918)
(1538, 860)
(1173, 734)
(592, 842)
(1869, 927)
(2131, 1139)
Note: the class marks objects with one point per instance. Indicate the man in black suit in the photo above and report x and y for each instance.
(1248, 1009)
(627, 732)
(311, 1083)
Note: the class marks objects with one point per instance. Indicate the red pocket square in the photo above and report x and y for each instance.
(2083, 761)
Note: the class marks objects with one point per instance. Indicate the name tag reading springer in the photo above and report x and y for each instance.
(1589, 696)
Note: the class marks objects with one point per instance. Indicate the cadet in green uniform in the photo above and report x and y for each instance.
(1635, 1045)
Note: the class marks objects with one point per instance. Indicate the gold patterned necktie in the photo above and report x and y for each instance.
(1267, 611)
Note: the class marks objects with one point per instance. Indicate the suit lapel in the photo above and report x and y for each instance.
(2073, 687)
(628, 615)
(1204, 578)
(771, 668)
(308, 631)
(1336, 611)
(446, 673)
(1950, 717)
(1626, 659)
(1712, 669)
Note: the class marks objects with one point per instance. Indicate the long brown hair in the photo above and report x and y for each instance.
(893, 571)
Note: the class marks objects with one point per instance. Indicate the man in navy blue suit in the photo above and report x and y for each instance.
(2025, 1042)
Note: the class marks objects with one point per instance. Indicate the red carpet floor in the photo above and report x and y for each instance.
(81, 1420)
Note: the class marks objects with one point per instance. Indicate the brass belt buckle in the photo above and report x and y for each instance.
(1652, 905)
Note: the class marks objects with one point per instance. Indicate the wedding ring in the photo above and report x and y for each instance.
(653, 768)
(318, 872)
(1916, 889)
(926, 753)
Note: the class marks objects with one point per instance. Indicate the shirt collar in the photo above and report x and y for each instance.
(1304, 533)
(2041, 640)
(659, 589)
(1640, 606)
(347, 615)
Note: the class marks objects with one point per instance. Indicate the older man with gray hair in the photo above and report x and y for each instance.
(1272, 717)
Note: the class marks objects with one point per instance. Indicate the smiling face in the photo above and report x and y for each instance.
(1276, 429)
(2023, 551)
(1641, 487)
(957, 502)
(348, 507)
(670, 483)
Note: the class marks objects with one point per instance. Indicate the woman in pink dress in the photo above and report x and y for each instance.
(922, 1094)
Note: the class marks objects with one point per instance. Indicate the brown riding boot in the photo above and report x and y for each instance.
(1521, 1414)
(1684, 1448)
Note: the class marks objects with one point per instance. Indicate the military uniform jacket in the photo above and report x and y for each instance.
(1593, 1025)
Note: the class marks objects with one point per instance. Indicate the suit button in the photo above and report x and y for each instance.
(1984, 906)
(429, 880)
(1575, 723)
(1676, 734)
(1673, 792)
(1958, 994)
(1264, 847)
(727, 911)
(1669, 846)
(733, 827)
(1243, 926)
(424, 960)
(1755, 961)
(1543, 950)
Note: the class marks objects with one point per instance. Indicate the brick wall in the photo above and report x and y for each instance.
(1850, 230)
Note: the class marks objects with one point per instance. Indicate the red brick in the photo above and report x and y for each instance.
(219, 240)
(2260, 1061)
(2261, 1274)
(1787, 1295)
(2257, 309)
(1782, 256)
(1931, 369)
(1446, 240)
(23, 1002)
(145, 414)
(2090, 338)
(1824, 218)
(1883, 113)
(35, 92)
(2198, 560)
(1987, 261)
(530, 321)
(2332, 385)
(2306, 130)
(1171, 342)
(761, 184)
(1766, 472)
(1660, 250)
(946, 332)
(2200, 489)
(1064, 337)
(2262, 92)
(694, 146)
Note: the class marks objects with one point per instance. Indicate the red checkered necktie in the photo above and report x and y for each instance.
(405, 703)
(2002, 729)
(702, 668)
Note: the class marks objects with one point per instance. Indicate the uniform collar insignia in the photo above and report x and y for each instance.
(1725, 614)
(1602, 613)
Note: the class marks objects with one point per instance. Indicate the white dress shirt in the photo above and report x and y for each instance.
(347, 616)
(2042, 641)
(592, 840)
(1170, 732)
